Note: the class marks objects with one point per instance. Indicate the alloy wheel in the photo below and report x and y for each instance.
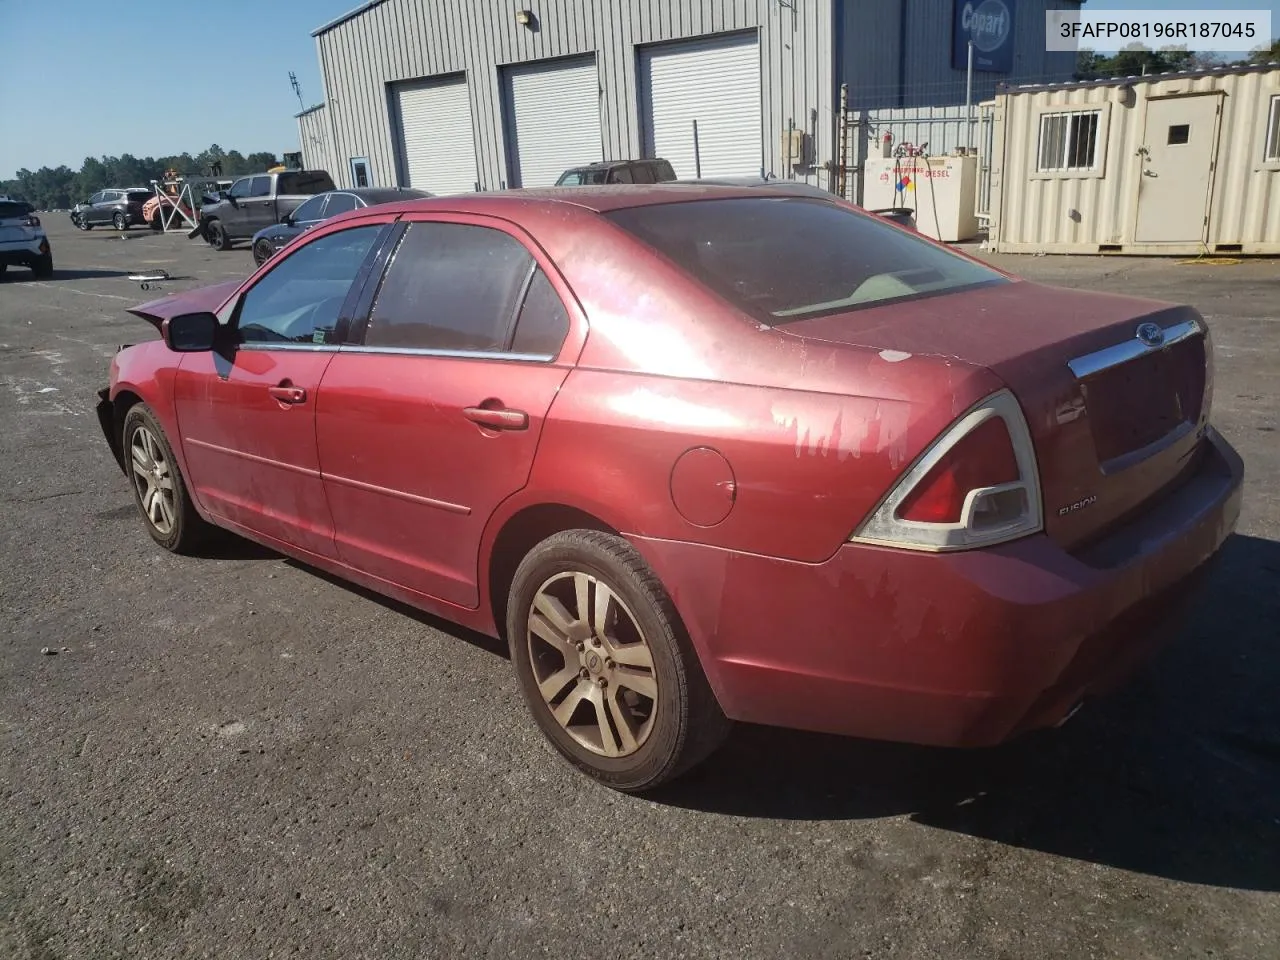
(592, 664)
(153, 479)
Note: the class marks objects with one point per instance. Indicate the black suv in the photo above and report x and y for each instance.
(120, 208)
(617, 171)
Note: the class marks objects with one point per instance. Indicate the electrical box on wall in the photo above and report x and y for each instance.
(793, 151)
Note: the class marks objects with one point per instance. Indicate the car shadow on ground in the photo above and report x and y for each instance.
(16, 273)
(1177, 775)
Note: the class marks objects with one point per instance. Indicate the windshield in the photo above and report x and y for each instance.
(784, 259)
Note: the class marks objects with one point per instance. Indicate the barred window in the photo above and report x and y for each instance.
(1273, 131)
(1068, 141)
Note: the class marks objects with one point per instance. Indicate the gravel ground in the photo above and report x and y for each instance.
(235, 756)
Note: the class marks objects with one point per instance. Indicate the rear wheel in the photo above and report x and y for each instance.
(120, 222)
(42, 268)
(158, 486)
(604, 664)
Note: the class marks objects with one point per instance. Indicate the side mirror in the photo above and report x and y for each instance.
(287, 220)
(191, 332)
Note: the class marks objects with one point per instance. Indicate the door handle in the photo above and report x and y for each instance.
(497, 418)
(287, 393)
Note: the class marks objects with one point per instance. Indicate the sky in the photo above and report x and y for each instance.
(83, 77)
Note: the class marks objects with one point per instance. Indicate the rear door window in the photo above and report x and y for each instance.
(450, 286)
(261, 187)
(339, 203)
(620, 175)
(543, 322)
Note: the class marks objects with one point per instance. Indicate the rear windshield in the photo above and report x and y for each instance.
(14, 208)
(784, 259)
(304, 184)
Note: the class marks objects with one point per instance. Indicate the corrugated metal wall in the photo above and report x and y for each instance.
(316, 142)
(407, 39)
(897, 53)
(1077, 214)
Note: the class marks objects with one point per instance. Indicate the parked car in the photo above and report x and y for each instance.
(121, 208)
(269, 241)
(808, 469)
(617, 171)
(902, 216)
(256, 202)
(22, 240)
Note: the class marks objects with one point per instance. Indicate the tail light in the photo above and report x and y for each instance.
(30, 221)
(978, 484)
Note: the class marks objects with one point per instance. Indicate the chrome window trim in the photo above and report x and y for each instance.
(452, 354)
(312, 347)
(1120, 353)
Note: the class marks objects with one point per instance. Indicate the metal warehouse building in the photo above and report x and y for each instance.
(458, 95)
(1168, 164)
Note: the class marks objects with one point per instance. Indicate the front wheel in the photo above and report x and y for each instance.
(262, 252)
(605, 666)
(217, 236)
(83, 224)
(158, 486)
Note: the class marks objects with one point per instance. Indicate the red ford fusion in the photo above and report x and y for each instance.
(701, 455)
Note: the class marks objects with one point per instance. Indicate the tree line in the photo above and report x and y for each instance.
(60, 188)
(1136, 60)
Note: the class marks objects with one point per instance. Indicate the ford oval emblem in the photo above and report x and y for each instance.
(1151, 334)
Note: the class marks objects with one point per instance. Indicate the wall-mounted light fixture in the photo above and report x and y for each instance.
(524, 17)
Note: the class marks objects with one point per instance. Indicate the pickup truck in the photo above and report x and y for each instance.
(255, 202)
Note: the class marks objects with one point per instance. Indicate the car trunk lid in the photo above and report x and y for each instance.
(1116, 421)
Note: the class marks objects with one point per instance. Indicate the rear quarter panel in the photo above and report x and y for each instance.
(814, 434)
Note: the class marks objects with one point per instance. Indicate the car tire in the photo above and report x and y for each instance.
(120, 222)
(631, 725)
(83, 224)
(171, 519)
(156, 223)
(3, 268)
(217, 236)
(262, 252)
(42, 267)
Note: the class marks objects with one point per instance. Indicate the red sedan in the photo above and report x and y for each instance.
(700, 454)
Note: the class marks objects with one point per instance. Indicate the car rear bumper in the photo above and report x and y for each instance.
(960, 649)
(23, 253)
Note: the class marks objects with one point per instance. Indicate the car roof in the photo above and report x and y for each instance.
(603, 164)
(383, 194)
(596, 199)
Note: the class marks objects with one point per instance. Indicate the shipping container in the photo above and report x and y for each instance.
(1177, 164)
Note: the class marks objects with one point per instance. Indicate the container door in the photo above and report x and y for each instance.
(1180, 146)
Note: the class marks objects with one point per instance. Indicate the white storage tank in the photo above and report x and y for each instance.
(941, 190)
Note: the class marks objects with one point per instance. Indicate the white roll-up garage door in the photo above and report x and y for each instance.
(715, 81)
(552, 112)
(437, 143)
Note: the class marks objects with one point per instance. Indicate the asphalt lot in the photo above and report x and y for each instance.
(235, 756)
